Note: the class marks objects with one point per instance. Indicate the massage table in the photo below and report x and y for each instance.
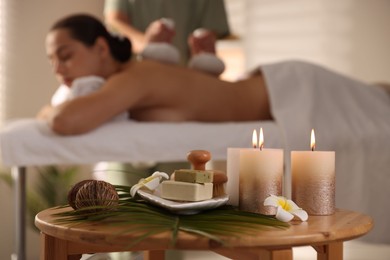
(30, 142)
(349, 117)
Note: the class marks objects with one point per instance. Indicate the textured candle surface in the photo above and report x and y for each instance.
(185, 191)
(313, 181)
(261, 174)
(233, 173)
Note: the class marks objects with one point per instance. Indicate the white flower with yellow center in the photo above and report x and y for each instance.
(286, 209)
(150, 183)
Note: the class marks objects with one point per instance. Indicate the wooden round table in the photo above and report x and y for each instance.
(324, 233)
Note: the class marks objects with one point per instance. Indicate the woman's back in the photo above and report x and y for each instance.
(173, 93)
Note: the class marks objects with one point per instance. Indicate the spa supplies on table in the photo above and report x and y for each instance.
(184, 191)
(194, 176)
(219, 181)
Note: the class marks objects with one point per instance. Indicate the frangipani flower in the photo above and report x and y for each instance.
(150, 183)
(286, 209)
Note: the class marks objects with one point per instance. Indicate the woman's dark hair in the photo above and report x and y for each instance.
(87, 29)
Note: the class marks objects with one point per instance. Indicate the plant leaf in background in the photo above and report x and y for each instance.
(53, 184)
(51, 190)
(6, 177)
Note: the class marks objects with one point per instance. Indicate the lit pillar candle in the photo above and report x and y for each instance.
(233, 173)
(261, 174)
(313, 180)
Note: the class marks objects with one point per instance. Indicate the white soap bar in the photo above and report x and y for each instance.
(184, 191)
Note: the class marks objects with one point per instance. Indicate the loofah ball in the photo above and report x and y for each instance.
(89, 193)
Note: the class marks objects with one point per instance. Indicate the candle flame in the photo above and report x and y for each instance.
(254, 138)
(312, 140)
(261, 139)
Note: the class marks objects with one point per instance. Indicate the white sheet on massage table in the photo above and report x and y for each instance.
(29, 142)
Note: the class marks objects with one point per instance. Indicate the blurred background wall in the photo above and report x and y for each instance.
(350, 36)
(26, 83)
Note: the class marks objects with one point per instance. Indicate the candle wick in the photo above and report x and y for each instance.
(254, 146)
(312, 148)
(261, 147)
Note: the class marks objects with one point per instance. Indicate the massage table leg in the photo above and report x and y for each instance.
(19, 177)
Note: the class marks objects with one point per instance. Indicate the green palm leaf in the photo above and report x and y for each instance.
(145, 220)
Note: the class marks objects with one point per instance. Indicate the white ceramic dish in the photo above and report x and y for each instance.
(183, 208)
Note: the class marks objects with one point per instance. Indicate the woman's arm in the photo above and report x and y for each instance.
(86, 113)
(45, 112)
(151, 91)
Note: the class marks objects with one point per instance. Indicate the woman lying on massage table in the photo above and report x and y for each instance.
(148, 90)
(80, 46)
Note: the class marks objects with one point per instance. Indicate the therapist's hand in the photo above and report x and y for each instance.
(202, 40)
(158, 31)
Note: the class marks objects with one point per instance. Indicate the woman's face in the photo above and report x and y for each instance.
(70, 58)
